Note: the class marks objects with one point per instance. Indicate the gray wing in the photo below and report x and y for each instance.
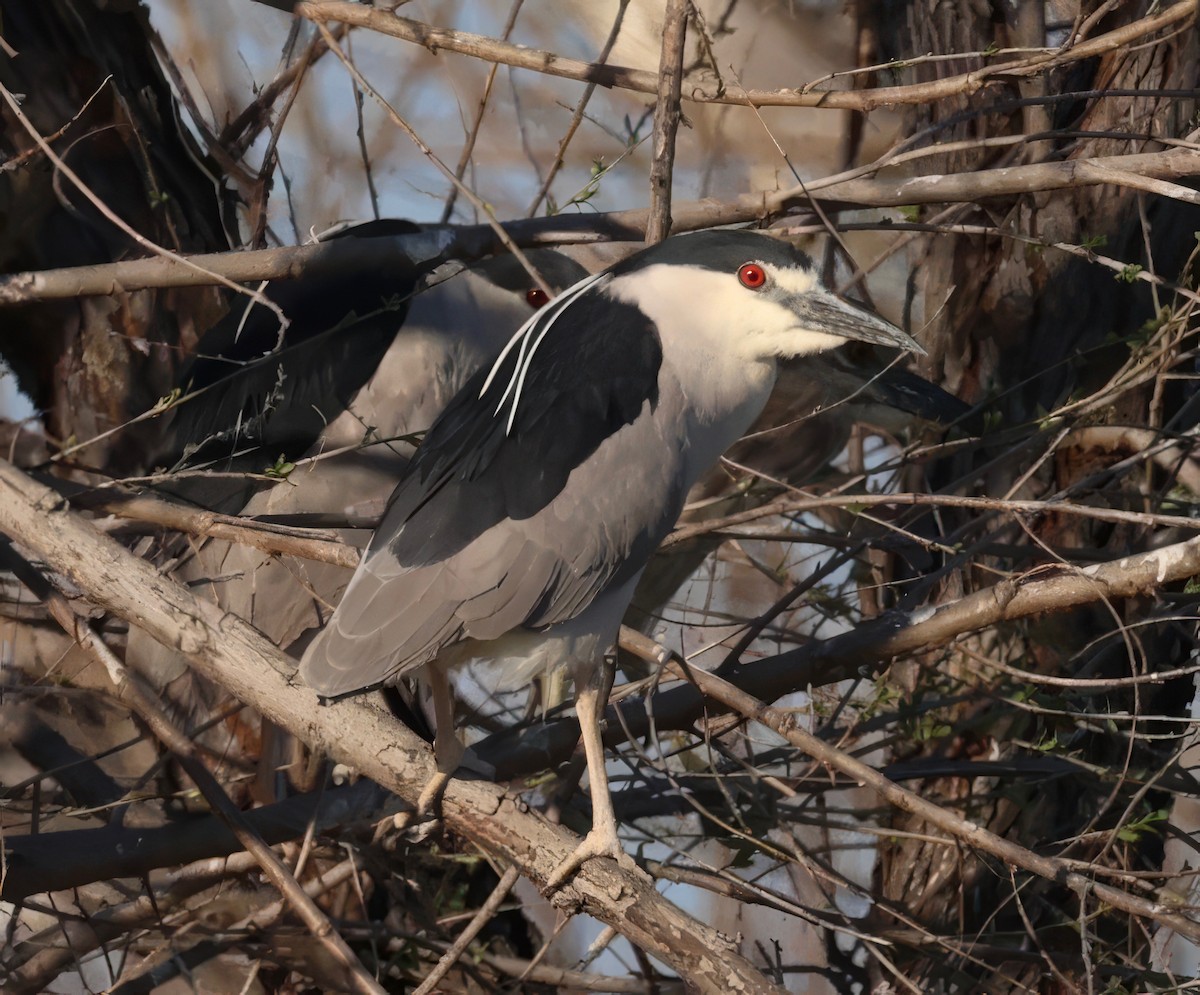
(504, 519)
(394, 619)
(532, 573)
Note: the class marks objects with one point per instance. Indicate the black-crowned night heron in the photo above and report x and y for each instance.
(519, 531)
(370, 356)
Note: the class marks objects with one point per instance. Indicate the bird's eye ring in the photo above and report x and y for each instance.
(752, 276)
(536, 297)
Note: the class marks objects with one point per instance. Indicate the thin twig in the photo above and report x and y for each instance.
(481, 918)
(464, 159)
(578, 115)
(802, 503)
(492, 50)
(240, 133)
(21, 158)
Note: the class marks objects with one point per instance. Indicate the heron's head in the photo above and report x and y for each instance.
(760, 297)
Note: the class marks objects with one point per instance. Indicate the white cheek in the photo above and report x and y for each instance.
(684, 300)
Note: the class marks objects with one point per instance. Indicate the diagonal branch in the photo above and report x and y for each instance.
(1160, 909)
(861, 649)
(232, 653)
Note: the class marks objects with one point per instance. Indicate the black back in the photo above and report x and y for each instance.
(591, 374)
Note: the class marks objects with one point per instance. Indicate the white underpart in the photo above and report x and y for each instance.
(528, 345)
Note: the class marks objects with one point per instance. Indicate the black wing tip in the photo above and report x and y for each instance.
(325, 700)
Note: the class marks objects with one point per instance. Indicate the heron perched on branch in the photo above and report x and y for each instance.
(521, 527)
(370, 358)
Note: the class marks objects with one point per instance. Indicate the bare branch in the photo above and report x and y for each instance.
(476, 241)
(229, 651)
(801, 503)
(311, 544)
(1160, 909)
(492, 50)
(666, 119)
(481, 918)
(55, 861)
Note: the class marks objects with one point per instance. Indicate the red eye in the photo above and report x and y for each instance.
(537, 297)
(753, 276)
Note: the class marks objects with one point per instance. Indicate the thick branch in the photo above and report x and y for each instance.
(232, 653)
(46, 862)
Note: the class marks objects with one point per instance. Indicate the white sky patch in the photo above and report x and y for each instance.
(15, 405)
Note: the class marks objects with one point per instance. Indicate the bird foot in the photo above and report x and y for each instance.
(414, 827)
(426, 817)
(431, 795)
(597, 843)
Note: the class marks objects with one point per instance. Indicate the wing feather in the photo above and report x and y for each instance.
(472, 545)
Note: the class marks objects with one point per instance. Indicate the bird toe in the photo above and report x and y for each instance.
(597, 843)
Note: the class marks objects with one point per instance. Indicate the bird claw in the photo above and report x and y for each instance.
(416, 827)
(426, 818)
(431, 795)
(596, 843)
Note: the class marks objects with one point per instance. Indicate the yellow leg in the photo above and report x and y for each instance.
(602, 840)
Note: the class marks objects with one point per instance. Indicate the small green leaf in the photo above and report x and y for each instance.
(1132, 832)
(281, 469)
(168, 400)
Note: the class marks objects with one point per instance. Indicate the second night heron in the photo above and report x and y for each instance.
(521, 527)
